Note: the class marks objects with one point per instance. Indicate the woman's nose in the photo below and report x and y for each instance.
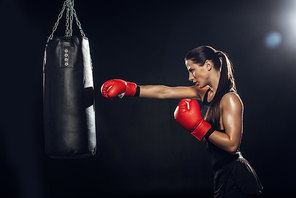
(191, 77)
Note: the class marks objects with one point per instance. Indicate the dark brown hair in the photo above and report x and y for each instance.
(221, 63)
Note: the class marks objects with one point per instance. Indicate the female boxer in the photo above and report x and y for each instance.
(219, 120)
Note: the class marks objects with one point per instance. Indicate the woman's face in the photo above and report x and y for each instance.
(198, 74)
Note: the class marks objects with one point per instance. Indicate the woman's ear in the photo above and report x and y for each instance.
(209, 65)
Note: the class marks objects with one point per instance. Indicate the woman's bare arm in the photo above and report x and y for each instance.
(232, 121)
(165, 92)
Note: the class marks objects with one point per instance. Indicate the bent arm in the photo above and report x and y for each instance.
(165, 92)
(232, 121)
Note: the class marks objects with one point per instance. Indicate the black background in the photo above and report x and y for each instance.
(142, 151)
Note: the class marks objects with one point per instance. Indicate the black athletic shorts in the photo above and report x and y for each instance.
(236, 180)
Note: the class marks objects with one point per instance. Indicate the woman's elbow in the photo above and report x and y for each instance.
(232, 149)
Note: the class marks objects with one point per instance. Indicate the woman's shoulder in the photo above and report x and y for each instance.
(198, 93)
(231, 100)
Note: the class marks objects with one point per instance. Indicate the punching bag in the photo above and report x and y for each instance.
(68, 96)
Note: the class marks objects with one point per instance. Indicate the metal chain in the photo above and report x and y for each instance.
(78, 23)
(69, 20)
(57, 23)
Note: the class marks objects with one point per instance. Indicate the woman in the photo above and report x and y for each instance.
(218, 122)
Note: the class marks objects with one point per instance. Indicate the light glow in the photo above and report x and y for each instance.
(273, 39)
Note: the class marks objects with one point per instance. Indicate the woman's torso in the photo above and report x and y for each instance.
(219, 157)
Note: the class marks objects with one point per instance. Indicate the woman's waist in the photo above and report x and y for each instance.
(221, 161)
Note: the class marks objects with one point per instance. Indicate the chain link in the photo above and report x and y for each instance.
(67, 22)
(71, 12)
(78, 23)
(57, 23)
(71, 18)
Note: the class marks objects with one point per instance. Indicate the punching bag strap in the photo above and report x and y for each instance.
(71, 13)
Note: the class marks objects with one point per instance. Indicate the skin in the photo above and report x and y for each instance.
(231, 107)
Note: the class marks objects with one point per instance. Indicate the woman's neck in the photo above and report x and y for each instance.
(214, 82)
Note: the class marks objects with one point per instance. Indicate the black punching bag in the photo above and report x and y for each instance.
(69, 116)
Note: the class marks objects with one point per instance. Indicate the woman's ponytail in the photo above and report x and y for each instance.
(226, 84)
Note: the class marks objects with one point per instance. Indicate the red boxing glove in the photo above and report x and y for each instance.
(120, 88)
(188, 115)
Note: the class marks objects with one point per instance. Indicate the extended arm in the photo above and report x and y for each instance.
(165, 92)
(120, 88)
